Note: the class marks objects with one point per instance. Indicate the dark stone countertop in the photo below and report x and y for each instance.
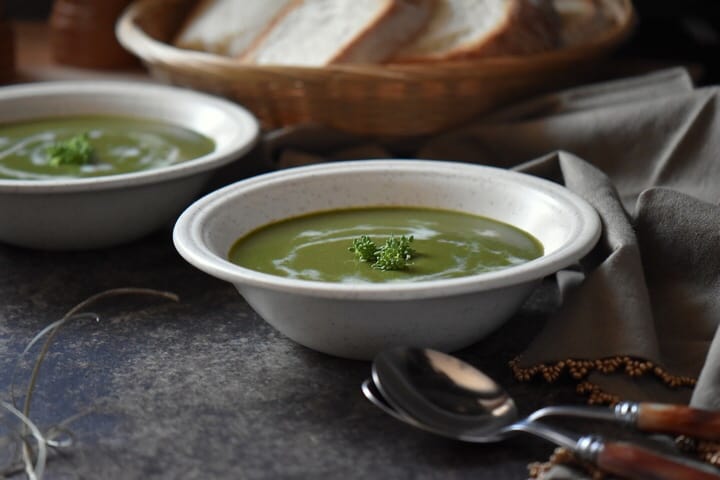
(204, 388)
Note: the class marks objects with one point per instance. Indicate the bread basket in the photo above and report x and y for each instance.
(381, 100)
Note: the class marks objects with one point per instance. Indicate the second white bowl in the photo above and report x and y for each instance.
(82, 213)
(359, 320)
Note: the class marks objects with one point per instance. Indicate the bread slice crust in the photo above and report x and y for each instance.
(526, 27)
(222, 44)
(372, 37)
(392, 25)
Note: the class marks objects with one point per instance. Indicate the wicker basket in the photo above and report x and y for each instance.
(388, 100)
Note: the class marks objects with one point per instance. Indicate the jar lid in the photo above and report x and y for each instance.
(7, 47)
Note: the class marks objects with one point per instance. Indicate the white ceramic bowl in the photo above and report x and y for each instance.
(83, 213)
(358, 320)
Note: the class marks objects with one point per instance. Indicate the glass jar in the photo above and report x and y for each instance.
(82, 34)
(7, 47)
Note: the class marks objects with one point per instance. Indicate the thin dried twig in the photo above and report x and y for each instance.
(35, 339)
(69, 315)
(35, 470)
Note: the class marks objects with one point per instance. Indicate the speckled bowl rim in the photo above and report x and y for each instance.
(188, 236)
(245, 135)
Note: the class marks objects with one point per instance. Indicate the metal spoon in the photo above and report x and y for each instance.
(458, 387)
(621, 458)
(494, 416)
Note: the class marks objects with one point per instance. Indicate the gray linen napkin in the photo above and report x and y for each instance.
(639, 320)
(650, 150)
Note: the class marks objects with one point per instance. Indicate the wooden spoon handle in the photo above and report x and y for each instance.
(679, 420)
(633, 462)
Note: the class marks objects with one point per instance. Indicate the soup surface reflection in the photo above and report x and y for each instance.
(119, 145)
(447, 244)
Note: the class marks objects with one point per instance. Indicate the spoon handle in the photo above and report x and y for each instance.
(647, 417)
(678, 419)
(637, 463)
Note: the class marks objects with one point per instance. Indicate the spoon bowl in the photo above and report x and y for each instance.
(446, 394)
(373, 394)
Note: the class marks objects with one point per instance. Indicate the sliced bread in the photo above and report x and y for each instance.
(228, 27)
(323, 32)
(464, 29)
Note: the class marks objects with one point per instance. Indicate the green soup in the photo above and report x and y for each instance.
(119, 144)
(447, 244)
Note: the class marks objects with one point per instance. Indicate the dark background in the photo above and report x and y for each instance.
(683, 31)
(678, 30)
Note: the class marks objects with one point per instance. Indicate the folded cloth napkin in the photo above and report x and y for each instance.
(639, 320)
(646, 314)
